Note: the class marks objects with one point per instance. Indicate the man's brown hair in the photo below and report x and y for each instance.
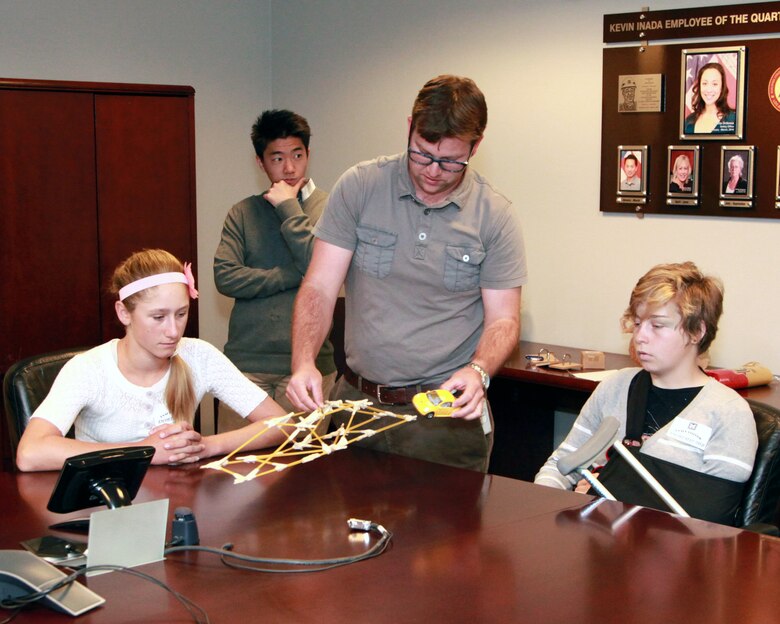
(450, 107)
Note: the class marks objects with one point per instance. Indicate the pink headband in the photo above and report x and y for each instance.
(161, 278)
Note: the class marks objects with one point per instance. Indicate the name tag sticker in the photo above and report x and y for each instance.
(692, 433)
(161, 416)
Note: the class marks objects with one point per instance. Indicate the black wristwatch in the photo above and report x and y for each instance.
(482, 373)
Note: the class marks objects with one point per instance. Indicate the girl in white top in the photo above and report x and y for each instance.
(143, 389)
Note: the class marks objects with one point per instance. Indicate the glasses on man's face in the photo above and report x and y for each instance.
(445, 164)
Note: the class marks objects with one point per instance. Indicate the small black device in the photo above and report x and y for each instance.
(184, 529)
(78, 525)
(109, 477)
(57, 550)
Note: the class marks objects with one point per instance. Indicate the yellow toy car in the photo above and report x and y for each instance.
(434, 403)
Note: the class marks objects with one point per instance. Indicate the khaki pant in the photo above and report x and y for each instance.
(275, 386)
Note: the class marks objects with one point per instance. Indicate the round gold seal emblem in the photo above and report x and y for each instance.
(774, 89)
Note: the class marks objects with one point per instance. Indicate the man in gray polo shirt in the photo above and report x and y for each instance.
(434, 262)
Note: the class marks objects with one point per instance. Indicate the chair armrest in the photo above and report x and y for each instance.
(763, 528)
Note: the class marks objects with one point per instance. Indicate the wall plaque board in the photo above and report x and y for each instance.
(750, 122)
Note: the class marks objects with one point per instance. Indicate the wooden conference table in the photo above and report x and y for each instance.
(467, 547)
(524, 399)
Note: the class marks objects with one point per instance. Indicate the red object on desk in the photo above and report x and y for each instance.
(749, 375)
(730, 378)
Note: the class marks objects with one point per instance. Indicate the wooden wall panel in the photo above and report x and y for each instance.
(48, 220)
(145, 184)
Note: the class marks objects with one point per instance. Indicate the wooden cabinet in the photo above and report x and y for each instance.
(89, 173)
(145, 184)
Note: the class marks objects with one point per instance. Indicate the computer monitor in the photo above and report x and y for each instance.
(109, 477)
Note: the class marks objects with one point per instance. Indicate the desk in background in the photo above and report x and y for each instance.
(467, 547)
(524, 399)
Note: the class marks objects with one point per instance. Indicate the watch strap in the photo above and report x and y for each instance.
(482, 373)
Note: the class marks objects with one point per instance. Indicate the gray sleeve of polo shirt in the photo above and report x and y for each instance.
(505, 263)
(338, 223)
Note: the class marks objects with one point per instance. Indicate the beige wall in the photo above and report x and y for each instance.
(353, 68)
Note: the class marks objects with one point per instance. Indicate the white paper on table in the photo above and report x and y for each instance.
(596, 375)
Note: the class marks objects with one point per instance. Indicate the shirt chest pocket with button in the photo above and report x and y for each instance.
(462, 267)
(374, 252)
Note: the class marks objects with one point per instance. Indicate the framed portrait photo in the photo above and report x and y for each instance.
(712, 93)
(777, 180)
(632, 173)
(736, 175)
(682, 169)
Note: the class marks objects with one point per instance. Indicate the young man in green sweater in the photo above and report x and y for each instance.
(264, 252)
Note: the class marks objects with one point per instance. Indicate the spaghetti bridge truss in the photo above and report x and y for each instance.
(303, 442)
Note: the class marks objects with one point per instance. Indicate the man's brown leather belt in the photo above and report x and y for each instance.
(386, 395)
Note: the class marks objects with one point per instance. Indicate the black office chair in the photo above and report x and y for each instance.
(26, 384)
(761, 502)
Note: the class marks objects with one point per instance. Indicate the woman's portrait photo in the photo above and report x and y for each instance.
(736, 177)
(683, 170)
(713, 90)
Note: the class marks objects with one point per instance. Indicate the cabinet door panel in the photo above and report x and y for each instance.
(145, 183)
(48, 220)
